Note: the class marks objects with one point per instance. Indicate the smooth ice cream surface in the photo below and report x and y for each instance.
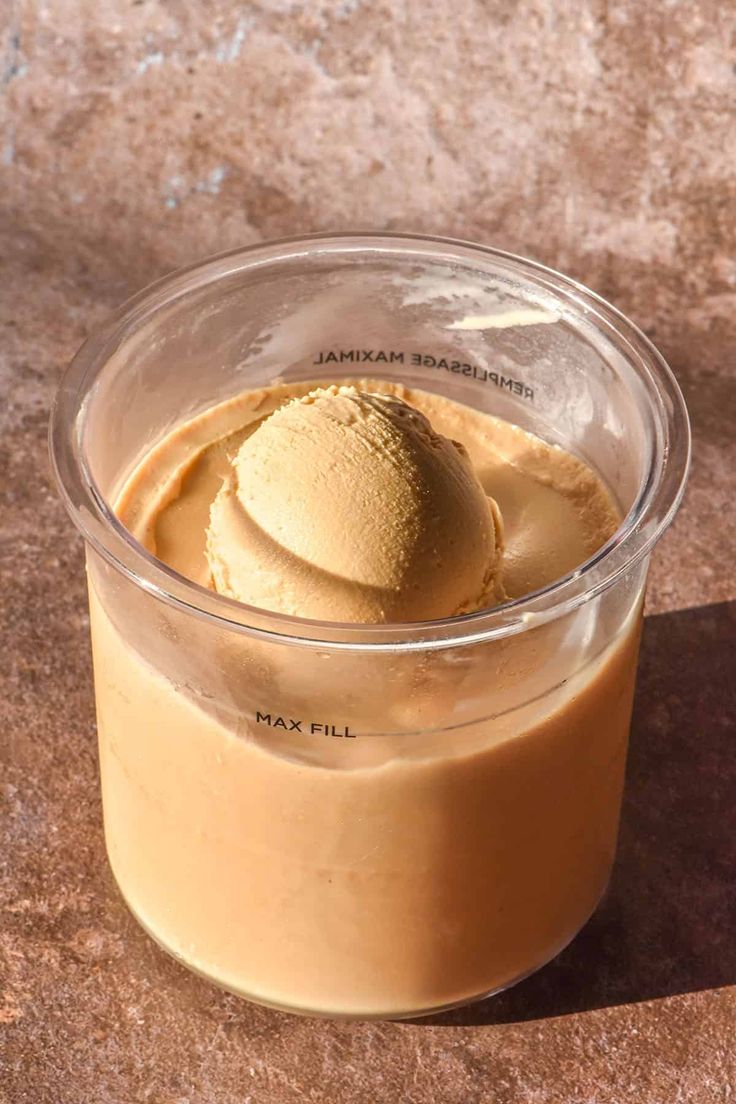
(346, 505)
(328, 505)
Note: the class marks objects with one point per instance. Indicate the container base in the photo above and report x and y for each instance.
(409, 1014)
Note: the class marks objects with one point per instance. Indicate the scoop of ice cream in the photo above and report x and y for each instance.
(347, 506)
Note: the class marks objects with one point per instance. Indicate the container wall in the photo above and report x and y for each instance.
(357, 833)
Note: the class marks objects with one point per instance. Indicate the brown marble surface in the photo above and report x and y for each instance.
(597, 137)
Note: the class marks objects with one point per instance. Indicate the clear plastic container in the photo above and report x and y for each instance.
(364, 821)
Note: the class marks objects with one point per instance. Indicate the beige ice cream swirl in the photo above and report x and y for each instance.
(345, 505)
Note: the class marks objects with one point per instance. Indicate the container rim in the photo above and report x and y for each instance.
(659, 495)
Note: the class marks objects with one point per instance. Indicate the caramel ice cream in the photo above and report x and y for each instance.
(347, 506)
(348, 832)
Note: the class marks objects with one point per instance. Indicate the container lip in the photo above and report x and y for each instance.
(656, 505)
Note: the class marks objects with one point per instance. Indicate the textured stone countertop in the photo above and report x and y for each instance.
(596, 137)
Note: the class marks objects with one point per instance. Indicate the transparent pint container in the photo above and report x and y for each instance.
(363, 821)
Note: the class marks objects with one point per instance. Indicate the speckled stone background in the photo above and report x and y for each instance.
(598, 137)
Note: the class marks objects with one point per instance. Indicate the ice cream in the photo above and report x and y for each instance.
(361, 831)
(347, 506)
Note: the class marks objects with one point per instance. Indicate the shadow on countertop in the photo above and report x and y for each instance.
(668, 922)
